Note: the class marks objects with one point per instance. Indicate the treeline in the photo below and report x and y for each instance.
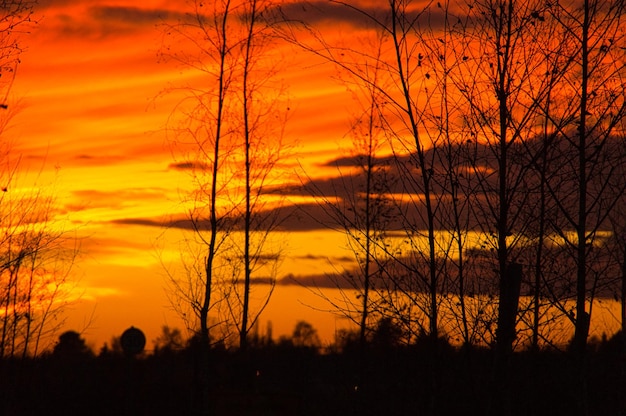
(289, 376)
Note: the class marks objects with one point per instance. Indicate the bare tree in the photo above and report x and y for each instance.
(402, 86)
(36, 255)
(441, 48)
(481, 102)
(503, 79)
(16, 19)
(263, 149)
(617, 246)
(356, 203)
(594, 113)
(205, 135)
(203, 132)
(618, 253)
(229, 133)
(503, 76)
(371, 210)
(34, 272)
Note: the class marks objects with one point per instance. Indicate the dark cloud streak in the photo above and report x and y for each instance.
(130, 15)
(189, 165)
(358, 16)
(317, 12)
(100, 22)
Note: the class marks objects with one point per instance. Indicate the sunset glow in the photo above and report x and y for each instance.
(369, 207)
(100, 97)
(93, 110)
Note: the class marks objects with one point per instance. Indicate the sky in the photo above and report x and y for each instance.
(93, 107)
(93, 97)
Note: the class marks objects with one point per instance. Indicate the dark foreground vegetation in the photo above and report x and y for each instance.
(427, 378)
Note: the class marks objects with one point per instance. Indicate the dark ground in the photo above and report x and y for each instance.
(280, 380)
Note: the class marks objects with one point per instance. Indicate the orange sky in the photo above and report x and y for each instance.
(91, 127)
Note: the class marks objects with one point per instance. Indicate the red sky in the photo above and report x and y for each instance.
(91, 126)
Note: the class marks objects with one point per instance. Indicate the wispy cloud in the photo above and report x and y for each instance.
(361, 13)
(305, 217)
(190, 165)
(101, 22)
(92, 198)
(45, 4)
(132, 16)
(98, 293)
(318, 281)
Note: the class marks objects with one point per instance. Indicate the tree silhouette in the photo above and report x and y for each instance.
(35, 256)
(230, 135)
(16, 19)
(305, 336)
(228, 128)
(71, 346)
(170, 340)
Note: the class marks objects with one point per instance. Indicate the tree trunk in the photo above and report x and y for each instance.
(505, 336)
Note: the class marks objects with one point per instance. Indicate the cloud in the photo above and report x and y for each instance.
(129, 15)
(300, 217)
(148, 222)
(306, 217)
(312, 281)
(97, 293)
(321, 281)
(131, 194)
(97, 246)
(91, 198)
(85, 159)
(189, 165)
(339, 199)
(100, 21)
(340, 259)
(322, 12)
(45, 4)
(350, 180)
(356, 15)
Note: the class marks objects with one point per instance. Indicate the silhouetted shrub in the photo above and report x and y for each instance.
(170, 340)
(71, 345)
(386, 334)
